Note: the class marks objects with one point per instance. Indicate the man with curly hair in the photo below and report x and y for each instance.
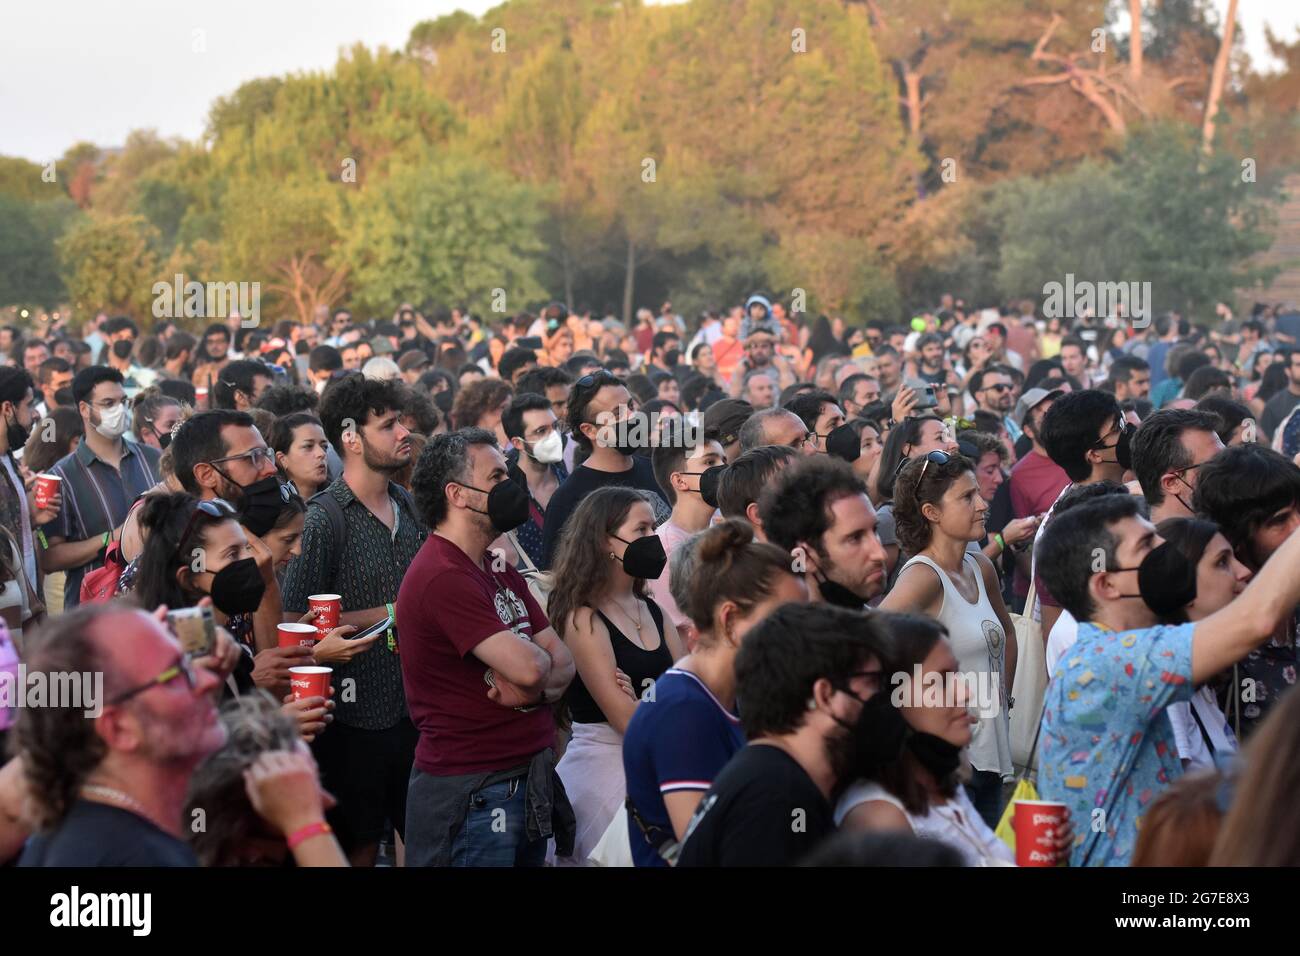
(361, 534)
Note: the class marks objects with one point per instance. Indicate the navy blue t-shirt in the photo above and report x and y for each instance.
(678, 741)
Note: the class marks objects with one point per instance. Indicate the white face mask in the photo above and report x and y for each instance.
(113, 422)
(550, 449)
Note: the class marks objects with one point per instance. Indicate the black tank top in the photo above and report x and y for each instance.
(640, 665)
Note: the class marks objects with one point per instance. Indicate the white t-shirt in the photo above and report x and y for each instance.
(1187, 732)
(1060, 639)
(954, 823)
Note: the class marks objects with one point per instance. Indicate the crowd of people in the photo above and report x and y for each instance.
(650, 594)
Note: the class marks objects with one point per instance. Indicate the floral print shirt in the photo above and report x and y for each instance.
(1107, 746)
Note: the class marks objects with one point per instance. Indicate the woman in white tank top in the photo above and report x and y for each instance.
(938, 510)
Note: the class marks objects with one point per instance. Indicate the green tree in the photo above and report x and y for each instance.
(284, 235)
(452, 231)
(1161, 214)
(110, 263)
(20, 179)
(29, 272)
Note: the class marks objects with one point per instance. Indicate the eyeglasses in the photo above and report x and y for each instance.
(1119, 429)
(216, 508)
(998, 388)
(181, 668)
(256, 457)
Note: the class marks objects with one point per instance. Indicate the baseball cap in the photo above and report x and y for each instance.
(413, 359)
(727, 416)
(381, 345)
(1031, 400)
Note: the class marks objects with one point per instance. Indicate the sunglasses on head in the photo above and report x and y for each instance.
(938, 457)
(216, 508)
(588, 380)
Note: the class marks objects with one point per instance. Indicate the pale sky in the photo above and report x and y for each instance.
(96, 69)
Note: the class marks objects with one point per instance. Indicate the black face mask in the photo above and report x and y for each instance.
(835, 593)
(632, 435)
(238, 587)
(672, 357)
(845, 443)
(259, 503)
(878, 736)
(122, 348)
(1166, 581)
(164, 438)
(16, 434)
(709, 480)
(935, 754)
(1123, 451)
(645, 557)
(507, 505)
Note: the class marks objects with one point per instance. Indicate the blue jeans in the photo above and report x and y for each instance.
(494, 832)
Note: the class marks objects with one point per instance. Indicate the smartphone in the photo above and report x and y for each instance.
(195, 629)
(926, 398)
(372, 630)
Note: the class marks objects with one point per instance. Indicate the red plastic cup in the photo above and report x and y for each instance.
(47, 486)
(297, 635)
(329, 607)
(310, 682)
(1037, 823)
(201, 397)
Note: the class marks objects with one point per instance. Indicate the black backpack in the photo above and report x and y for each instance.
(338, 526)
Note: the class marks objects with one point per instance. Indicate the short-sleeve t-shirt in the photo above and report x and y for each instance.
(581, 482)
(1107, 742)
(96, 834)
(446, 607)
(677, 743)
(762, 810)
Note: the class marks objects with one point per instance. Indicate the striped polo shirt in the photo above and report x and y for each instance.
(97, 497)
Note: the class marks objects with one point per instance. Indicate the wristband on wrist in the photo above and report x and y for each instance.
(1002, 544)
(108, 536)
(392, 619)
(40, 536)
(300, 836)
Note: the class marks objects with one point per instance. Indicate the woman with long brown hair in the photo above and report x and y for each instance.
(600, 608)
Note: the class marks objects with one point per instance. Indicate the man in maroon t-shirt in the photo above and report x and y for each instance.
(480, 662)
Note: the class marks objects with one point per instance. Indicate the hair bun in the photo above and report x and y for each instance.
(723, 540)
(158, 508)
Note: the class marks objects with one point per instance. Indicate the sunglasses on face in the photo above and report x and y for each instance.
(998, 388)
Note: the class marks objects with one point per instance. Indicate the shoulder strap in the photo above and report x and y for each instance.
(1205, 734)
(922, 559)
(656, 612)
(338, 528)
(526, 565)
